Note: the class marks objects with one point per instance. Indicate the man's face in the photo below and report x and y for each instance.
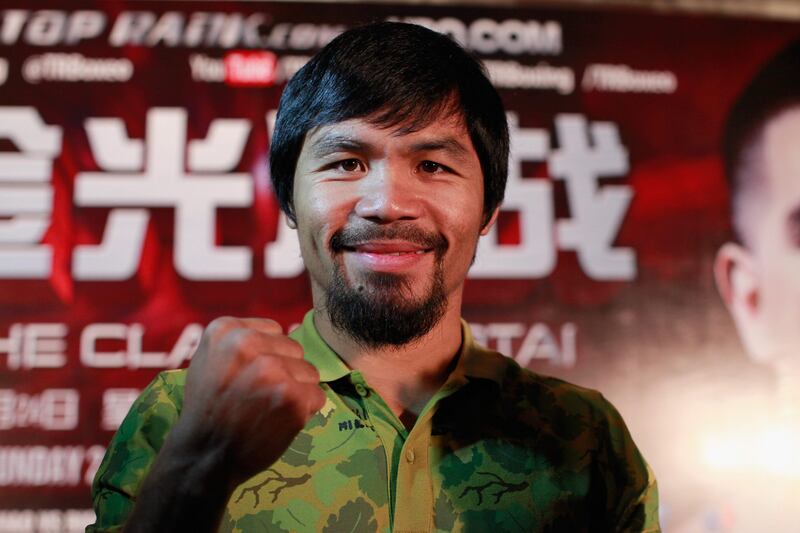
(768, 280)
(776, 243)
(388, 223)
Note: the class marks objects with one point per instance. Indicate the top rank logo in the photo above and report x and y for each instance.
(171, 29)
(250, 69)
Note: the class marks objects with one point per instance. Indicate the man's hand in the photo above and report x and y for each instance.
(248, 394)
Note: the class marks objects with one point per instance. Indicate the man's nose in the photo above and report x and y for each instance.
(389, 193)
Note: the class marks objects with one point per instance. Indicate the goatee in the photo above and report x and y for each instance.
(379, 311)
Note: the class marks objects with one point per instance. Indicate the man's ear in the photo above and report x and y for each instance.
(738, 282)
(489, 223)
(737, 279)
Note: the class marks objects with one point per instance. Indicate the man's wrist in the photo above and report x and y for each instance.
(202, 460)
(188, 487)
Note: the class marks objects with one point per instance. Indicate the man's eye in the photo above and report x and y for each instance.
(430, 167)
(350, 165)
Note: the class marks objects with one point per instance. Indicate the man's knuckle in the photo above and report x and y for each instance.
(237, 341)
(271, 324)
(220, 325)
(310, 369)
(272, 367)
(314, 373)
(296, 348)
(288, 346)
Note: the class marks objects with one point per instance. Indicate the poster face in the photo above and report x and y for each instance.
(136, 206)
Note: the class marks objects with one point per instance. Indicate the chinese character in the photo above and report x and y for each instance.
(52, 410)
(150, 173)
(116, 404)
(26, 195)
(535, 256)
(596, 213)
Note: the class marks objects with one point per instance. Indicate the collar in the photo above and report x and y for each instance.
(317, 352)
(474, 361)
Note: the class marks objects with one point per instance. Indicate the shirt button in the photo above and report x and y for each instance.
(410, 456)
(361, 389)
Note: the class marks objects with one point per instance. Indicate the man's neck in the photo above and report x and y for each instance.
(407, 376)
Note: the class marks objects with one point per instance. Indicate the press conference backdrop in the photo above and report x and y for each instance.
(136, 206)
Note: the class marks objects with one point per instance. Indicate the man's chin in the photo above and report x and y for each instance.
(382, 309)
(389, 287)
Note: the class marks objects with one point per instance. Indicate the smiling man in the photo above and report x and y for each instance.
(379, 412)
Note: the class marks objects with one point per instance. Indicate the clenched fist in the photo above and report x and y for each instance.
(248, 394)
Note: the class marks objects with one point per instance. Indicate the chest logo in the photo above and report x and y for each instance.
(348, 425)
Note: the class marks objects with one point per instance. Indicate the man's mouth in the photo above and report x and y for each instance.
(397, 249)
(387, 248)
(386, 256)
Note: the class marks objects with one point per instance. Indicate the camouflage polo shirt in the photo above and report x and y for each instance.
(497, 448)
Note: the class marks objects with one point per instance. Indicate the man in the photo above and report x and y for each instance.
(380, 412)
(759, 275)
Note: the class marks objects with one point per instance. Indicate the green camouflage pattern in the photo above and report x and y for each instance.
(498, 448)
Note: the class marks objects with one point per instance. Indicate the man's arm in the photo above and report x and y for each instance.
(631, 488)
(146, 442)
(133, 449)
(248, 393)
(187, 488)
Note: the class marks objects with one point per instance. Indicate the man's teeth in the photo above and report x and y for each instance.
(402, 253)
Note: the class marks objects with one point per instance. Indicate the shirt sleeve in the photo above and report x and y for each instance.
(132, 450)
(630, 485)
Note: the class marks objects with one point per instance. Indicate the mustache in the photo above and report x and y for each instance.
(350, 237)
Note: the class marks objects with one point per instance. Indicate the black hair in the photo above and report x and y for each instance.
(400, 75)
(774, 89)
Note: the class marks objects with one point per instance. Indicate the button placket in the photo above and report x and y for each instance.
(414, 498)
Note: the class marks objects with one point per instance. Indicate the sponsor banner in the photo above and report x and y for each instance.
(136, 206)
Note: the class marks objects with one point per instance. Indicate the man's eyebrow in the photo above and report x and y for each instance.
(446, 144)
(335, 142)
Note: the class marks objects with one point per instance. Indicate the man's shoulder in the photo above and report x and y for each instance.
(163, 395)
(169, 382)
(534, 400)
(526, 386)
(175, 379)
(134, 446)
(577, 431)
(565, 393)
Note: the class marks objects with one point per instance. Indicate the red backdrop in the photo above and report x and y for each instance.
(135, 206)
